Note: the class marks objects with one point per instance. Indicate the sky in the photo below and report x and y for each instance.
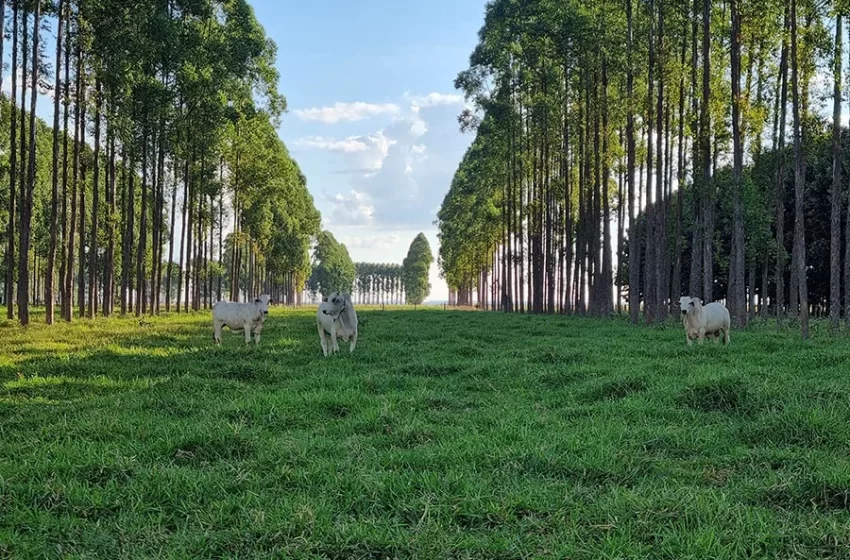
(372, 112)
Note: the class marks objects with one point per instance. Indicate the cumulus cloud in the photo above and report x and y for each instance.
(367, 152)
(352, 209)
(347, 112)
(398, 174)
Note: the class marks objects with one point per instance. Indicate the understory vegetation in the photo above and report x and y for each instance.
(446, 434)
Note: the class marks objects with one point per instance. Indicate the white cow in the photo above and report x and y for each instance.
(248, 317)
(701, 321)
(336, 317)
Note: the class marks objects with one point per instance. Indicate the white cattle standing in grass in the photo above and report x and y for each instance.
(336, 317)
(248, 317)
(701, 321)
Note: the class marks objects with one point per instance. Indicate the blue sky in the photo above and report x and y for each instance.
(372, 117)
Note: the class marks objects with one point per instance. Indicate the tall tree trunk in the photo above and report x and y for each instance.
(141, 253)
(66, 262)
(660, 204)
(109, 269)
(651, 207)
(183, 216)
(129, 175)
(95, 207)
(739, 305)
(13, 166)
(54, 206)
(676, 282)
(705, 140)
(170, 266)
(634, 245)
(156, 277)
(27, 185)
(799, 183)
(695, 283)
(779, 192)
(835, 214)
(607, 264)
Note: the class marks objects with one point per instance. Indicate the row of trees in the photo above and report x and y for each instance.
(163, 133)
(372, 283)
(654, 136)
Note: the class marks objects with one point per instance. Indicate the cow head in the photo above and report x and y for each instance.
(686, 303)
(263, 303)
(334, 304)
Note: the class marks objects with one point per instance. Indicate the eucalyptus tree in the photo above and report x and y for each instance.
(416, 266)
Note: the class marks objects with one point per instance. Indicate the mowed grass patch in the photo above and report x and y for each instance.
(447, 434)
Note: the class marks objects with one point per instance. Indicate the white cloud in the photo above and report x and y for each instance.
(399, 173)
(347, 112)
(352, 209)
(367, 152)
(386, 241)
(433, 99)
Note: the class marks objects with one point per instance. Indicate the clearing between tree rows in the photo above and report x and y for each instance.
(446, 434)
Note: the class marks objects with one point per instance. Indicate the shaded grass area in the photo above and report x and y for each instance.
(447, 434)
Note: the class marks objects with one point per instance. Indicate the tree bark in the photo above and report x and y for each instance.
(835, 214)
(799, 183)
(739, 305)
(13, 131)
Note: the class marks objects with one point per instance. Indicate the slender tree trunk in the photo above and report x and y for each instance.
(129, 174)
(95, 226)
(652, 248)
(109, 270)
(54, 206)
(170, 266)
(607, 264)
(739, 305)
(660, 204)
(634, 246)
(705, 139)
(695, 283)
(779, 193)
(28, 177)
(66, 262)
(799, 183)
(141, 253)
(835, 214)
(676, 283)
(183, 216)
(13, 130)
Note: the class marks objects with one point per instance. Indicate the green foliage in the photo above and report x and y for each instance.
(333, 270)
(417, 265)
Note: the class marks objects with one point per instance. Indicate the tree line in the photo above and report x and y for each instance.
(371, 283)
(627, 153)
(163, 134)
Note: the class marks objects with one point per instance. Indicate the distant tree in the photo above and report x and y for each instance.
(333, 270)
(415, 270)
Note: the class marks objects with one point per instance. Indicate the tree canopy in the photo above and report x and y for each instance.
(416, 266)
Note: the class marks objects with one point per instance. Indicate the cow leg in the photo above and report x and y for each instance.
(257, 334)
(217, 332)
(353, 343)
(247, 328)
(725, 336)
(701, 335)
(334, 344)
(323, 339)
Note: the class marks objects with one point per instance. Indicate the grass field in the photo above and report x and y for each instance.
(446, 435)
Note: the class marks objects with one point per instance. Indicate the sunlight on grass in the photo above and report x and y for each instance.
(446, 434)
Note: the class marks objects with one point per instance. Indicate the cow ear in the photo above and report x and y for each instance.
(325, 299)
